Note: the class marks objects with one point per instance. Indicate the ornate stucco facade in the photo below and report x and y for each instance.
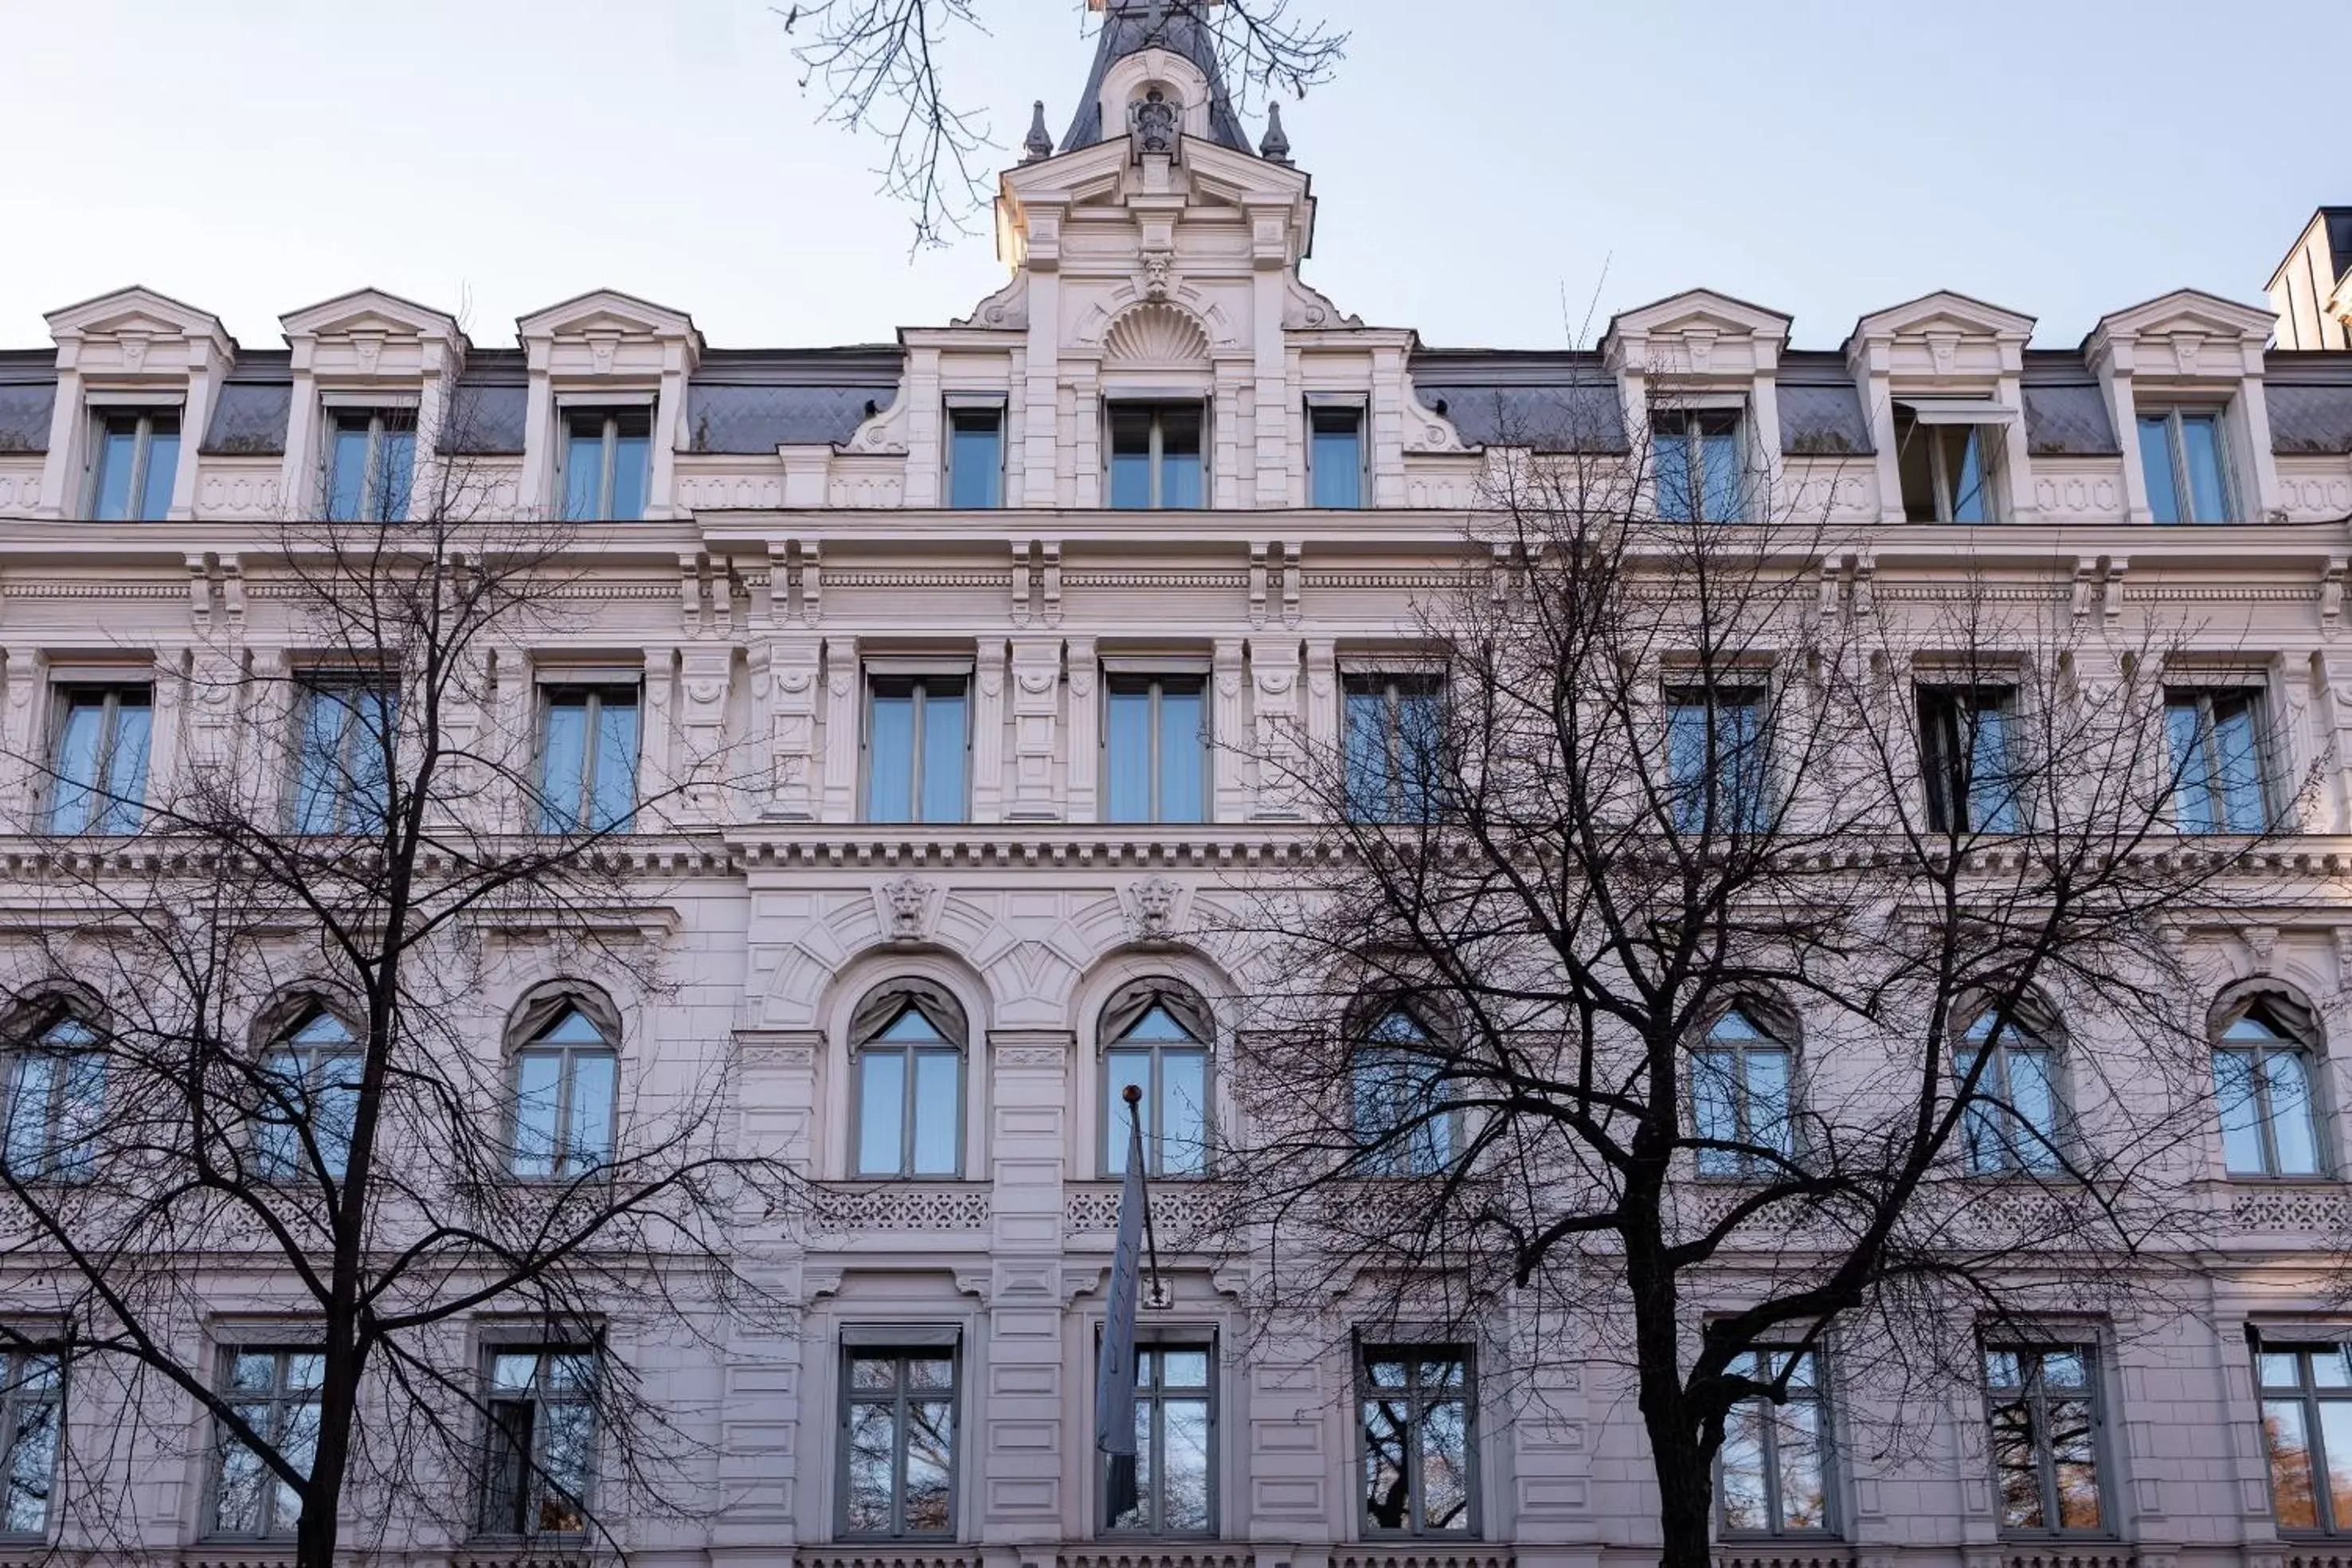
(802, 553)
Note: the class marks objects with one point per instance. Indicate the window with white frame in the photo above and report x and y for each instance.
(311, 1088)
(2185, 455)
(2307, 1393)
(588, 758)
(1946, 469)
(344, 764)
(1741, 1085)
(607, 463)
(975, 455)
(32, 1403)
(2043, 1409)
(2010, 1125)
(1773, 1471)
(908, 1042)
(1156, 1037)
(1969, 758)
(99, 782)
(1718, 751)
(2216, 735)
(57, 1102)
(1155, 748)
(1404, 1118)
(1416, 1414)
(134, 457)
(566, 1068)
(918, 744)
(1335, 454)
(898, 1447)
(1157, 455)
(274, 1392)
(539, 1460)
(1697, 463)
(2262, 1089)
(1395, 740)
(1175, 1436)
(371, 462)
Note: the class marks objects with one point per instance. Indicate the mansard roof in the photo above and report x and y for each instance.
(756, 400)
(1131, 27)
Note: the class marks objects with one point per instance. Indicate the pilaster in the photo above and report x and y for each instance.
(1021, 1419)
(1229, 732)
(843, 729)
(1085, 765)
(1282, 759)
(988, 726)
(1036, 692)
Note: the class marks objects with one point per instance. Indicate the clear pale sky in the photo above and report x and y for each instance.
(1488, 172)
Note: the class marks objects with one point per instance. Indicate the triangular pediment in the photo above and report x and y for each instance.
(137, 311)
(2188, 310)
(1704, 309)
(370, 311)
(1944, 310)
(608, 310)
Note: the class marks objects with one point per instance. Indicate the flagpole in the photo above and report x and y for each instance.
(1134, 1098)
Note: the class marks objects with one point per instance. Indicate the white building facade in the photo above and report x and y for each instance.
(1000, 613)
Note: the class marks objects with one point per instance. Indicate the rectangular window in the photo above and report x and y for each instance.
(100, 772)
(57, 1105)
(1415, 1405)
(1156, 748)
(1335, 458)
(370, 455)
(1175, 1412)
(1771, 1477)
(31, 1418)
(274, 1392)
(2043, 1402)
(1160, 1057)
(539, 1440)
(1155, 456)
(975, 458)
(909, 1101)
(1698, 465)
(1946, 469)
(898, 1443)
(588, 759)
(1741, 1088)
(2218, 784)
(342, 782)
(2261, 1087)
(2012, 1123)
(1395, 746)
(607, 463)
(917, 741)
(1716, 753)
(1965, 738)
(311, 1083)
(136, 460)
(2186, 459)
(2307, 1393)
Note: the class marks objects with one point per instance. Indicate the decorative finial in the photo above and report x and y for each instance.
(1276, 147)
(1040, 145)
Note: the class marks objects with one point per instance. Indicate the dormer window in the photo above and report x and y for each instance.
(1155, 456)
(2186, 458)
(1946, 465)
(607, 463)
(976, 457)
(1698, 464)
(133, 462)
(371, 459)
(1335, 456)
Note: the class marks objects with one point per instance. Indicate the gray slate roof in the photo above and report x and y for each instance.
(1177, 31)
(2065, 412)
(2310, 399)
(1550, 402)
(756, 400)
(249, 415)
(29, 392)
(1821, 411)
(486, 416)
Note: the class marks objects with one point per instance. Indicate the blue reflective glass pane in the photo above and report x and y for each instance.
(1992, 786)
(2193, 800)
(395, 473)
(564, 755)
(1982, 1133)
(1121, 1068)
(590, 1135)
(1420, 749)
(939, 1124)
(2241, 1112)
(2238, 772)
(1128, 741)
(70, 807)
(1130, 458)
(2201, 451)
(2291, 1124)
(1368, 755)
(890, 757)
(1715, 1109)
(632, 474)
(539, 1089)
(1965, 456)
(583, 473)
(1687, 764)
(1180, 461)
(163, 466)
(2034, 1100)
(347, 461)
(943, 752)
(1769, 1124)
(1337, 461)
(117, 456)
(881, 1112)
(1184, 1112)
(1720, 451)
(616, 761)
(29, 1096)
(1183, 752)
(1675, 501)
(976, 460)
(2155, 464)
(334, 1107)
(374, 741)
(319, 778)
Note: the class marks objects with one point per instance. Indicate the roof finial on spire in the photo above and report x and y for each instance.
(1276, 147)
(1040, 145)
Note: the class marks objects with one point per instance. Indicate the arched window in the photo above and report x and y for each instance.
(1156, 1036)
(2262, 1086)
(2010, 1125)
(311, 1077)
(1405, 1124)
(1741, 1075)
(907, 1041)
(56, 1100)
(565, 1071)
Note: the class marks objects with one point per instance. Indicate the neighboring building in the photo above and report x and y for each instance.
(2312, 290)
(964, 598)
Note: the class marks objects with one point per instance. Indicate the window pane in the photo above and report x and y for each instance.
(1964, 472)
(77, 767)
(162, 466)
(930, 1460)
(1336, 464)
(881, 1111)
(2015, 1467)
(2200, 445)
(82, 1112)
(1130, 456)
(347, 470)
(975, 457)
(2293, 1504)
(2335, 1443)
(1445, 1467)
(632, 473)
(592, 1108)
(944, 751)
(2290, 1123)
(1676, 502)
(28, 1111)
(584, 471)
(2237, 763)
(32, 1466)
(1179, 456)
(2155, 463)
(1715, 1109)
(1121, 1068)
(238, 1490)
(1368, 754)
(126, 764)
(616, 760)
(2035, 1103)
(1768, 1100)
(1720, 451)
(1127, 735)
(2192, 802)
(873, 1449)
(938, 1079)
(890, 755)
(1388, 1496)
(1992, 788)
(1183, 1114)
(1741, 1469)
(1184, 1474)
(396, 469)
(566, 1452)
(2241, 1113)
(1182, 746)
(321, 783)
(538, 1084)
(564, 755)
(2075, 1463)
(1804, 1499)
(118, 454)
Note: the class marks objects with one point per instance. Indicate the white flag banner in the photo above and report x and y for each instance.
(1115, 1376)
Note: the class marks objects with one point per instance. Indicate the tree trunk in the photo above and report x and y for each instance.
(1678, 1454)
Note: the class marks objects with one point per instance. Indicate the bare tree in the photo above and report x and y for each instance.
(1681, 953)
(881, 67)
(268, 1065)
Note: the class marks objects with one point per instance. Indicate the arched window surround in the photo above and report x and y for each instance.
(563, 1049)
(2268, 1046)
(1398, 1097)
(909, 1055)
(1159, 1033)
(1745, 1085)
(2018, 1120)
(307, 1052)
(56, 1084)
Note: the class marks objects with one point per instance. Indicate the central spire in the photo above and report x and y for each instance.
(1131, 27)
